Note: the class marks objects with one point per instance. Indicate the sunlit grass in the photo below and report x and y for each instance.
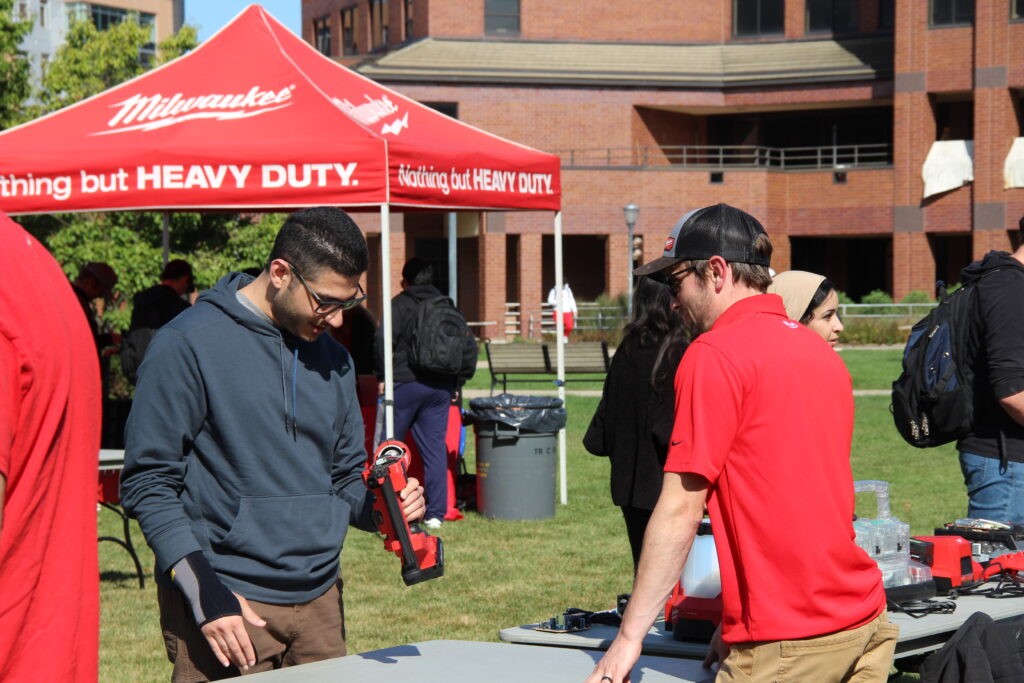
(505, 573)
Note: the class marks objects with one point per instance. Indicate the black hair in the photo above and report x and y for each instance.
(321, 238)
(417, 271)
(655, 321)
(820, 294)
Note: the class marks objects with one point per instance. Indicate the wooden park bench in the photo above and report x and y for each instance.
(540, 359)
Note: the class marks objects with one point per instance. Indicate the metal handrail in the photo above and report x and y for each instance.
(838, 157)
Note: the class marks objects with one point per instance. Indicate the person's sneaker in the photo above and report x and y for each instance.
(432, 523)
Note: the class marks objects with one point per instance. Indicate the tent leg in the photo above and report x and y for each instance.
(386, 322)
(167, 236)
(560, 355)
(453, 258)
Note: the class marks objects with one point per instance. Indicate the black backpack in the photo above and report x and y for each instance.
(442, 343)
(133, 348)
(933, 399)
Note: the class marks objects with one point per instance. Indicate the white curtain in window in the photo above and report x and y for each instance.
(1013, 167)
(950, 164)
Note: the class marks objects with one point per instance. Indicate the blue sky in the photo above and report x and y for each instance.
(211, 15)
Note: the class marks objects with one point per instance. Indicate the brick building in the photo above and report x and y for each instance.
(817, 116)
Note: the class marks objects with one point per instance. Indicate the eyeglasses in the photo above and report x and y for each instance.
(675, 280)
(325, 307)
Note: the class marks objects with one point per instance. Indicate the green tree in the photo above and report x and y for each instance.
(14, 68)
(90, 60)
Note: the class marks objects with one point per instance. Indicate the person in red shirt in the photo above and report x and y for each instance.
(764, 421)
(49, 448)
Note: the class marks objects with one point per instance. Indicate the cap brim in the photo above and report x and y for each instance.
(657, 265)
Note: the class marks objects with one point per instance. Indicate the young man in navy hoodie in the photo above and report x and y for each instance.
(243, 458)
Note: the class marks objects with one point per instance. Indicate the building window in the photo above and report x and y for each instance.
(758, 17)
(408, 19)
(836, 16)
(954, 119)
(378, 24)
(348, 31)
(42, 13)
(322, 35)
(1017, 9)
(501, 17)
(951, 12)
(886, 14)
(103, 17)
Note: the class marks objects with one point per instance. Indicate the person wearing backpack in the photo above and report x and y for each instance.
(153, 308)
(992, 453)
(433, 354)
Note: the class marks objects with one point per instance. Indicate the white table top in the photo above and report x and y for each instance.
(111, 459)
(917, 636)
(448, 661)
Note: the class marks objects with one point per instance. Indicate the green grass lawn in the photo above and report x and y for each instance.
(504, 573)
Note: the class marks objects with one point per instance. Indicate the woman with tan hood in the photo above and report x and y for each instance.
(811, 300)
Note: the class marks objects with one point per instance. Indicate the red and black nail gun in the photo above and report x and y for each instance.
(422, 555)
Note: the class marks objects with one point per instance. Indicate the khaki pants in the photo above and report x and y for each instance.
(294, 634)
(860, 655)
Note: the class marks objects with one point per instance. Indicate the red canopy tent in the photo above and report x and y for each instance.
(256, 119)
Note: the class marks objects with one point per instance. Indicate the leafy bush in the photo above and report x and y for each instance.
(916, 297)
(866, 331)
(844, 298)
(877, 296)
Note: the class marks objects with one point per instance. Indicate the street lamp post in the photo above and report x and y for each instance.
(630, 212)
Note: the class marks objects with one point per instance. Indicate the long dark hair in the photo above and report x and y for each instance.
(656, 322)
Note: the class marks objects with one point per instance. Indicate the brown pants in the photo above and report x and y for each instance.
(860, 655)
(294, 634)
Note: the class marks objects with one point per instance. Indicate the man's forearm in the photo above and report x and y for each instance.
(1014, 407)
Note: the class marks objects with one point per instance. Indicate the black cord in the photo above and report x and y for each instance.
(609, 618)
(921, 608)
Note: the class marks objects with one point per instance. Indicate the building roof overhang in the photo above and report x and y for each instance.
(717, 66)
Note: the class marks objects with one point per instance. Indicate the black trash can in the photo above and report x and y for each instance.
(516, 448)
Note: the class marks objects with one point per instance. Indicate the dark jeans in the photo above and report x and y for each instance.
(422, 407)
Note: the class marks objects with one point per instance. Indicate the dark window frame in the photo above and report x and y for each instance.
(322, 35)
(349, 44)
(835, 9)
(500, 20)
(1016, 10)
(408, 8)
(757, 6)
(955, 10)
(379, 33)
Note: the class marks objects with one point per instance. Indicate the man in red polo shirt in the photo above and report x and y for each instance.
(49, 447)
(764, 421)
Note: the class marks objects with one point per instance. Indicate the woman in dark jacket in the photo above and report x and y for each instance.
(633, 422)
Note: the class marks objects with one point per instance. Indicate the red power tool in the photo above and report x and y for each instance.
(422, 555)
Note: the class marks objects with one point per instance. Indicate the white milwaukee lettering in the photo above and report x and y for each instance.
(149, 112)
(370, 112)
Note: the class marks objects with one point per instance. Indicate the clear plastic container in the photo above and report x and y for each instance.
(701, 575)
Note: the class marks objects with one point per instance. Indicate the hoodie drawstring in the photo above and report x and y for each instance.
(295, 380)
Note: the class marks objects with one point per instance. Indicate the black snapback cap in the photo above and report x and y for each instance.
(718, 230)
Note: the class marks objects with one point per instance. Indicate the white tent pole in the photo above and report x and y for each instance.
(385, 275)
(560, 354)
(167, 236)
(453, 258)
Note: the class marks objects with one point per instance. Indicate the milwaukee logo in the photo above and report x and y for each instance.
(150, 112)
(374, 110)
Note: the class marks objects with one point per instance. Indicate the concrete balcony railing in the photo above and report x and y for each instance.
(839, 157)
